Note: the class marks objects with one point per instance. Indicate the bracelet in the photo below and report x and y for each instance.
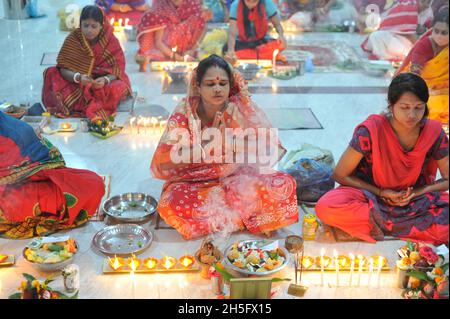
(75, 77)
(107, 79)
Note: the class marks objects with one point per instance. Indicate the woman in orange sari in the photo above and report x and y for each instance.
(429, 59)
(89, 79)
(227, 193)
(388, 173)
(38, 193)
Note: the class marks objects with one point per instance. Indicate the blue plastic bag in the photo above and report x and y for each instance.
(313, 179)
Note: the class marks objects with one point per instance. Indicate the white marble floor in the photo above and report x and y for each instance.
(127, 159)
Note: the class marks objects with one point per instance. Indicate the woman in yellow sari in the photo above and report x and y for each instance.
(429, 59)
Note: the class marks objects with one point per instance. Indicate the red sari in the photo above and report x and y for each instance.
(202, 198)
(68, 99)
(364, 215)
(38, 194)
(183, 27)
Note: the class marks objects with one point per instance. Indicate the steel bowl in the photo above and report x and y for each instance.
(122, 239)
(47, 267)
(249, 70)
(177, 73)
(130, 207)
(230, 265)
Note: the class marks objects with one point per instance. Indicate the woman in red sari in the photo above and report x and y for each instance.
(89, 79)
(388, 172)
(202, 196)
(170, 30)
(38, 193)
(249, 25)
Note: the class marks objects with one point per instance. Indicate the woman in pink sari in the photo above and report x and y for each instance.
(170, 30)
(388, 173)
(202, 196)
(89, 79)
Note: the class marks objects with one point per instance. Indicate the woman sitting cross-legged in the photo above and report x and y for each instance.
(38, 193)
(228, 191)
(89, 79)
(388, 172)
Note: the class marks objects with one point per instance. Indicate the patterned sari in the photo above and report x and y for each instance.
(183, 27)
(67, 99)
(386, 165)
(38, 194)
(202, 198)
(434, 70)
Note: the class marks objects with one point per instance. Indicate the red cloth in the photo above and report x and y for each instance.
(365, 216)
(263, 51)
(404, 167)
(183, 27)
(420, 54)
(259, 22)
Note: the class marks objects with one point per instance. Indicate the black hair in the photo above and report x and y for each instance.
(408, 82)
(92, 12)
(247, 24)
(441, 16)
(213, 61)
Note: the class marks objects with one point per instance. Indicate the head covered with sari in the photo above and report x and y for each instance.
(78, 55)
(239, 112)
(22, 152)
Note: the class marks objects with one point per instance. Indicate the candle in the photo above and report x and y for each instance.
(352, 267)
(274, 59)
(360, 265)
(370, 271)
(322, 253)
(380, 265)
(132, 120)
(174, 50)
(336, 265)
(162, 125)
(120, 22)
(111, 21)
(126, 22)
(153, 122)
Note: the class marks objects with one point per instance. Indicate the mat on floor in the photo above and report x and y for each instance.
(292, 118)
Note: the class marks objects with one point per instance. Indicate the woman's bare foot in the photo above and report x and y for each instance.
(121, 7)
(142, 61)
(268, 234)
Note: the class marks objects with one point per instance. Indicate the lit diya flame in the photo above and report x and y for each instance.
(133, 263)
(168, 262)
(3, 258)
(361, 259)
(116, 263)
(150, 263)
(307, 262)
(343, 261)
(326, 261)
(187, 261)
(66, 125)
(377, 259)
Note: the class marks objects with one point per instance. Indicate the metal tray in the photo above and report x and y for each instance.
(130, 207)
(122, 239)
(262, 273)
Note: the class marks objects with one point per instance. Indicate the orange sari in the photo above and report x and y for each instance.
(202, 198)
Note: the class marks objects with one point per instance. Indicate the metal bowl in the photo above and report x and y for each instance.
(229, 264)
(177, 73)
(130, 207)
(122, 239)
(50, 266)
(249, 70)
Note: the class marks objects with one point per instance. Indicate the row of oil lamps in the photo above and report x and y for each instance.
(344, 261)
(132, 263)
(144, 125)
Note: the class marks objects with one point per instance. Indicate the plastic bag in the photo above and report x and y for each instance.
(312, 169)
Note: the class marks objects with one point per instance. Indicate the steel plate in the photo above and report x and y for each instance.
(130, 207)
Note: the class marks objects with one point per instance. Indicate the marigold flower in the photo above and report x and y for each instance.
(438, 271)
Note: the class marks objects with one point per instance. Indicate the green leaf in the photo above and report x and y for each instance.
(419, 275)
(225, 274)
(48, 280)
(28, 277)
(410, 245)
(280, 279)
(16, 296)
(444, 268)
